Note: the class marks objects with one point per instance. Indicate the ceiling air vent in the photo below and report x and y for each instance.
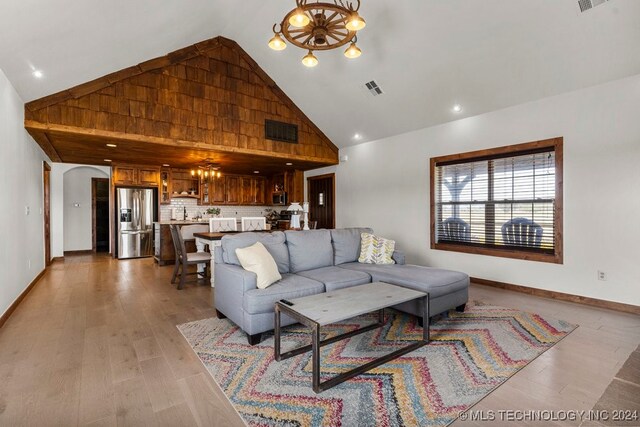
(279, 131)
(589, 4)
(374, 88)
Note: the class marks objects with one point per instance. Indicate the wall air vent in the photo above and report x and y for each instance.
(374, 88)
(279, 131)
(589, 4)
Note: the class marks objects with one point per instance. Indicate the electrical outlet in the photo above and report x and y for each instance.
(26, 210)
(602, 275)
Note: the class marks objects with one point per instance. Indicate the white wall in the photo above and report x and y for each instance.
(385, 185)
(77, 207)
(70, 226)
(21, 235)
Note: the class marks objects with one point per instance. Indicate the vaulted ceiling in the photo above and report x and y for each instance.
(426, 55)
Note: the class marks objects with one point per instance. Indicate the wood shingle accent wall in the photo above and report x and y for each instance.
(209, 95)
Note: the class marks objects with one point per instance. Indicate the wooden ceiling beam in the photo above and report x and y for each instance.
(35, 127)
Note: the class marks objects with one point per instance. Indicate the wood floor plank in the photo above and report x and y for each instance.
(133, 407)
(96, 398)
(179, 415)
(206, 405)
(124, 362)
(161, 384)
(147, 348)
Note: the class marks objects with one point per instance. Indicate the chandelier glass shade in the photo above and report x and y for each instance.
(316, 26)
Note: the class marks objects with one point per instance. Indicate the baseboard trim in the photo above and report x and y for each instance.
(82, 252)
(594, 302)
(57, 259)
(5, 316)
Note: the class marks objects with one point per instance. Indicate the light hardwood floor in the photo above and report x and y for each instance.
(95, 343)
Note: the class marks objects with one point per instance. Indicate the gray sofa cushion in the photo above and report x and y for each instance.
(291, 286)
(274, 242)
(436, 281)
(336, 277)
(309, 249)
(346, 244)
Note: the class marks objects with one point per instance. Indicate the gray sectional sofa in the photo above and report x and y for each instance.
(313, 262)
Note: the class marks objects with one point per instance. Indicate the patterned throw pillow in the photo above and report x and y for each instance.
(376, 250)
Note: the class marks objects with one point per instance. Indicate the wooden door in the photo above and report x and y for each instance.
(232, 187)
(46, 178)
(217, 189)
(125, 175)
(247, 197)
(322, 207)
(259, 190)
(148, 176)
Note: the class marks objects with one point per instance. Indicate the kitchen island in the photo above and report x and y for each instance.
(164, 252)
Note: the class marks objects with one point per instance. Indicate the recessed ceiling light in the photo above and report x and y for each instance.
(166, 165)
(357, 136)
(107, 160)
(256, 171)
(457, 108)
(289, 164)
(112, 145)
(37, 74)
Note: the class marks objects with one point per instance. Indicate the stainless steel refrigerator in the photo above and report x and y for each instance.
(136, 213)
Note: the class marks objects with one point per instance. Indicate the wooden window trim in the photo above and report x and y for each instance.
(557, 144)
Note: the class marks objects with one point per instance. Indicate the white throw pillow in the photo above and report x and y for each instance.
(257, 259)
(376, 250)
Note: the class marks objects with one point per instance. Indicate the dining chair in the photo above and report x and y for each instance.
(253, 223)
(222, 224)
(522, 232)
(183, 258)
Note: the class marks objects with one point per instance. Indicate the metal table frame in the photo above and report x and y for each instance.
(317, 344)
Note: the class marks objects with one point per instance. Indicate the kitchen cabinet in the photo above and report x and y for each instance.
(218, 190)
(232, 189)
(147, 176)
(259, 191)
(184, 184)
(247, 196)
(165, 187)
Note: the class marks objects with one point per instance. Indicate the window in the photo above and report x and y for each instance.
(505, 201)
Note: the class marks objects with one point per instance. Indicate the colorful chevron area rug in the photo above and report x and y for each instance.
(470, 354)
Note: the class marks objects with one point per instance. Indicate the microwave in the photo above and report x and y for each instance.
(279, 198)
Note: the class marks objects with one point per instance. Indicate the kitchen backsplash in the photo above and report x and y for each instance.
(225, 211)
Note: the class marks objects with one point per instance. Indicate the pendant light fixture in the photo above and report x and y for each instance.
(309, 60)
(353, 51)
(315, 26)
(276, 42)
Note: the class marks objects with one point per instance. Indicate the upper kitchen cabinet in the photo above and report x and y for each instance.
(232, 190)
(165, 187)
(184, 184)
(147, 176)
(252, 190)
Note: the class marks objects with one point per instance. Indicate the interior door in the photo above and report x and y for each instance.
(46, 177)
(321, 191)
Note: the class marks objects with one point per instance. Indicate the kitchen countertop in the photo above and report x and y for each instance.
(180, 222)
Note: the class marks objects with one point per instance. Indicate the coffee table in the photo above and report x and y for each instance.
(320, 310)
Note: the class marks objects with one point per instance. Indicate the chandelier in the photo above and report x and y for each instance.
(320, 26)
(207, 171)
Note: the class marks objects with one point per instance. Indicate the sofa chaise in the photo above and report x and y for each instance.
(317, 261)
